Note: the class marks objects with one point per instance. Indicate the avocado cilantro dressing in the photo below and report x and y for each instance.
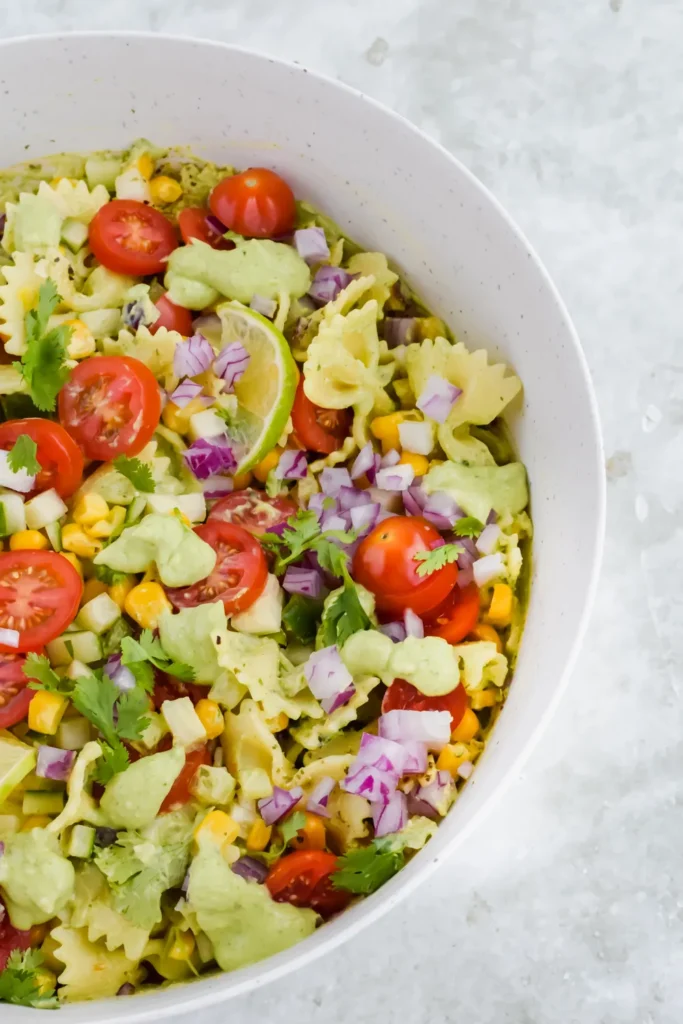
(224, 669)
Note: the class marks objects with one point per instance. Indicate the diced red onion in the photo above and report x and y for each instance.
(280, 802)
(416, 437)
(20, 481)
(389, 501)
(465, 577)
(414, 500)
(292, 465)
(364, 518)
(396, 478)
(413, 624)
(327, 284)
(396, 631)
(392, 458)
(488, 538)
(206, 457)
(330, 704)
(192, 357)
(400, 330)
(416, 761)
(320, 504)
(465, 769)
(9, 637)
(127, 989)
(351, 497)
(53, 763)
(489, 568)
(186, 391)
(332, 480)
(232, 363)
(466, 556)
(326, 673)
(372, 783)
(334, 521)
(251, 869)
(379, 752)
(433, 799)
(492, 517)
(266, 307)
(438, 398)
(365, 462)
(430, 727)
(302, 581)
(441, 510)
(317, 801)
(392, 816)
(311, 244)
(217, 487)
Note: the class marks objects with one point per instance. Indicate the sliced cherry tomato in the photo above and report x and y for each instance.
(256, 203)
(111, 406)
(10, 938)
(240, 573)
(403, 696)
(60, 458)
(253, 510)
(129, 237)
(39, 596)
(457, 616)
(171, 688)
(179, 792)
(385, 564)
(320, 430)
(173, 318)
(197, 222)
(303, 879)
(15, 696)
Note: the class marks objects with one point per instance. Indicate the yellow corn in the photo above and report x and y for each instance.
(93, 588)
(35, 821)
(484, 699)
(431, 327)
(500, 609)
(119, 591)
(75, 539)
(164, 189)
(105, 527)
(82, 342)
(90, 509)
(45, 981)
(211, 717)
(449, 761)
(45, 712)
(182, 947)
(467, 728)
(482, 631)
(419, 462)
(264, 467)
(28, 540)
(179, 419)
(217, 827)
(242, 480)
(146, 603)
(385, 429)
(73, 560)
(259, 835)
(278, 723)
(435, 462)
(145, 166)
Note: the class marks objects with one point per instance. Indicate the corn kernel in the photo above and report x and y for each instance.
(105, 527)
(56, 181)
(385, 429)
(264, 467)
(74, 560)
(28, 540)
(89, 509)
(278, 723)
(145, 165)
(179, 419)
(217, 827)
(75, 539)
(259, 835)
(242, 480)
(482, 631)
(211, 717)
(82, 342)
(118, 592)
(165, 189)
(146, 604)
(46, 711)
(182, 947)
(35, 821)
(45, 981)
(93, 588)
(467, 727)
(449, 760)
(484, 699)
(500, 609)
(420, 463)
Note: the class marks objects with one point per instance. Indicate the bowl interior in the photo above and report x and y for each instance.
(396, 192)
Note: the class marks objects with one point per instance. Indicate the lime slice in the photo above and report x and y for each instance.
(16, 761)
(265, 394)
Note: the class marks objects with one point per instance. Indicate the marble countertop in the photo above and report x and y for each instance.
(567, 904)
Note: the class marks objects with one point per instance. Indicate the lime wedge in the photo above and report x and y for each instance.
(265, 394)
(17, 759)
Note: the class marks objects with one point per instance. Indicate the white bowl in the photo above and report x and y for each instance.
(396, 191)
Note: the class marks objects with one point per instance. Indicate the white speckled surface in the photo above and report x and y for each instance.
(566, 905)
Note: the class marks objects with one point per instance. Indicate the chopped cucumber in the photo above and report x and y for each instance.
(77, 669)
(73, 733)
(191, 505)
(154, 732)
(12, 514)
(17, 759)
(184, 722)
(111, 640)
(135, 510)
(9, 824)
(35, 783)
(265, 614)
(74, 233)
(44, 509)
(54, 534)
(58, 650)
(102, 323)
(213, 787)
(81, 646)
(81, 842)
(42, 803)
(100, 614)
(102, 170)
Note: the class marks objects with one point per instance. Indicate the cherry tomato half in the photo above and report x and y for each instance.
(303, 879)
(129, 237)
(239, 575)
(15, 696)
(320, 430)
(39, 596)
(111, 406)
(194, 222)
(457, 616)
(403, 696)
(60, 458)
(10, 938)
(256, 203)
(385, 564)
(253, 510)
(173, 318)
(179, 792)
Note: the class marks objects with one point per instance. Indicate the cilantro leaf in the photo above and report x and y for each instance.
(43, 364)
(135, 653)
(365, 870)
(303, 533)
(290, 827)
(344, 616)
(139, 474)
(132, 707)
(301, 616)
(437, 558)
(331, 557)
(111, 639)
(23, 455)
(114, 760)
(20, 982)
(468, 527)
(116, 715)
(42, 676)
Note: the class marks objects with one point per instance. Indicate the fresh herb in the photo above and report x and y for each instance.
(437, 558)
(366, 869)
(22, 455)
(109, 576)
(41, 675)
(290, 827)
(344, 616)
(111, 640)
(21, 984)
(113, 760)
(139, 473)
(301, 616)
(148, 650)
(303, 533)
(43, 364)
(118, 716)
(468, 527)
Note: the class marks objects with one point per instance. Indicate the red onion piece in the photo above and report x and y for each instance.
(317, 801)
(186, 391)
(364, 462)
(441, 510)
(307, 582)
(53, 763)
(9, 637)
(120, 675)
(292, 465)
(414, 500)
(281, 801)
(127, 989)
(326, 674)
(379, 752)
(372, 783)
(332, 480)
(465, 769)
(364, 518)
(392, 816)
(350, 497)
(488, 538)
(327, 284)
(434, 799)
(465, 577)
(437, 398)
(430, 727)
(416, 436)
(489, 568)
(392, 458)
(492, 517)
(321, 503)
(206, 458)
(217, 487)
(396, 631)
(311, 245)
(396, 478)
(413, 624)
(334, 521)
(330, 704)
(266, 307)
(251, 869)
(232, 363)
(192, 357)
(400, 330)
(416, 759)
